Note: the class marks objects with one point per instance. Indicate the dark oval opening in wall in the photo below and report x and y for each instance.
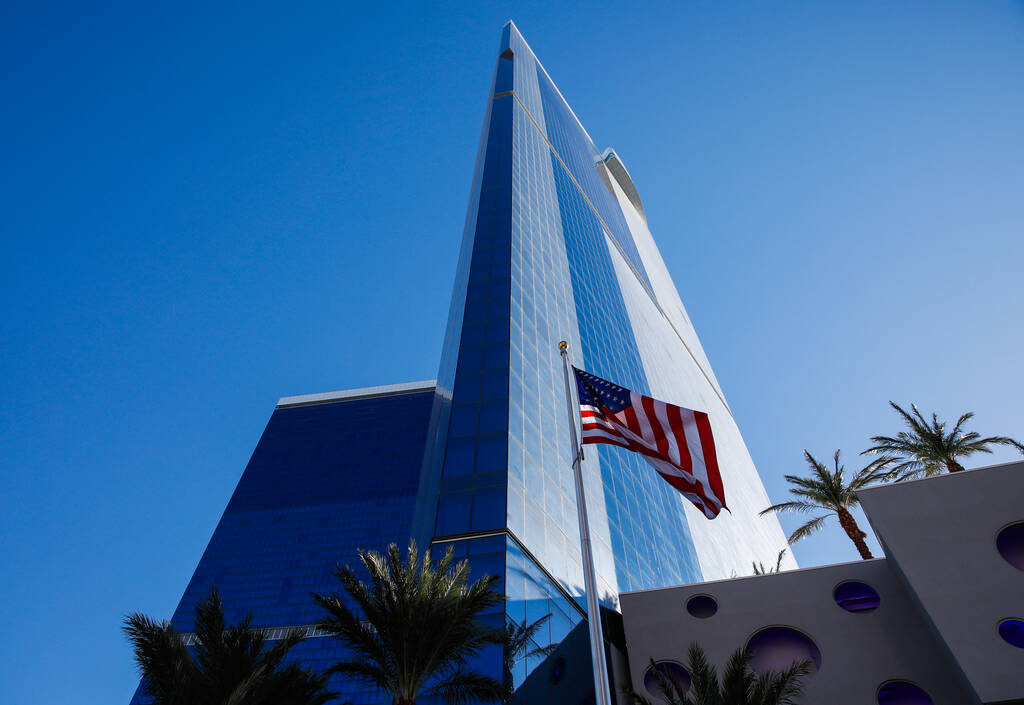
(778, 648)
(855, 596)
(671, 671)
(702, 606)
(1010, 544)
(902, 693)
(1012, 632)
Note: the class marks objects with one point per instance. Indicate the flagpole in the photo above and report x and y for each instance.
(602, 695)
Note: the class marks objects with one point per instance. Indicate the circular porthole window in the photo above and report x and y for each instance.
(1012, 631)
(671, 672)
(855, 596)
(902, 693)
(778, 648)
(702, 606)
(558, 670)
(1010, 544)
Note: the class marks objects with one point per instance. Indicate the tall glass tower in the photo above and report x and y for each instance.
(556, 247)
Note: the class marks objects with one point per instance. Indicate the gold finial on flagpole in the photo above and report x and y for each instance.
(563, 346)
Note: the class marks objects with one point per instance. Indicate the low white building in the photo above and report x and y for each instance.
(939, 619)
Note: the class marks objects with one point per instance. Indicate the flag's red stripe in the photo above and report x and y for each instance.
(597, 428)
(604, 439)
(655, 423)
(632, 423)
(694, 492)
(707, 445)
(659, 443)
(675, 420)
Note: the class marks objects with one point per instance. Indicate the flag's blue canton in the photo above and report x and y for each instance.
(594, 391)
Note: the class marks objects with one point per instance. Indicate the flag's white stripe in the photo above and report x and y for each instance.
(701, 504)
(595, 416)
(700, 470)
(667, 469)
(628, 434)
(645, 424)
(709, 504)
(606, 429)
(656, 462)
(598, 433)
(598, 420)
(661, 410)
(616, 429)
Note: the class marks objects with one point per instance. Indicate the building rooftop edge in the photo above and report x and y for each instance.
(693, 586)
(357, 393)
(873, 489)
(618, 169)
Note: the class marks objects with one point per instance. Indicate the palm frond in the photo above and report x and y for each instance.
(364, 672)
(759, 568)
(795, 506)
(738, 678)
(417, 625)
(672, 692)
(703, 676)
(782, 687)
(926, 448)
(807, 529)
(228, 664)
(466, 686)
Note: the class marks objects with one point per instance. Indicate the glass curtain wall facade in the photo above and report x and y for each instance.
(556, 247)
(330, 474)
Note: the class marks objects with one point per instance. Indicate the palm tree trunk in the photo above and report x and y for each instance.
(849, 525)
(954, 466)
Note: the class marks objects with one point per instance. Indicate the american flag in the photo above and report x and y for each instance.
(677, 442)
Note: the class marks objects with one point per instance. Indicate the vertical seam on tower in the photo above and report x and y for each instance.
(608, 232)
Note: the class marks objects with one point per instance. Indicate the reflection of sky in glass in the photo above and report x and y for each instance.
(777, 648)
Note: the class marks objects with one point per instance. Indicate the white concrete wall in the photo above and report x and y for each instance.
(678, 372)
(940, 533)
(859, 651)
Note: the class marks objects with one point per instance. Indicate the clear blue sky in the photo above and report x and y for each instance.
(207, 208)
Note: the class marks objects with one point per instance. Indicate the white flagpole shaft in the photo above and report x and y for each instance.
(602, 695)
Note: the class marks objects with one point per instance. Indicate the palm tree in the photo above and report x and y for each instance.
(759, 568)
(232, 665)
(416, 627)
(740, 684)
(827, 490)
(925, 449)
(516, 640)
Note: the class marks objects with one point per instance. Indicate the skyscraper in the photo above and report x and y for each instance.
(556, 247)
